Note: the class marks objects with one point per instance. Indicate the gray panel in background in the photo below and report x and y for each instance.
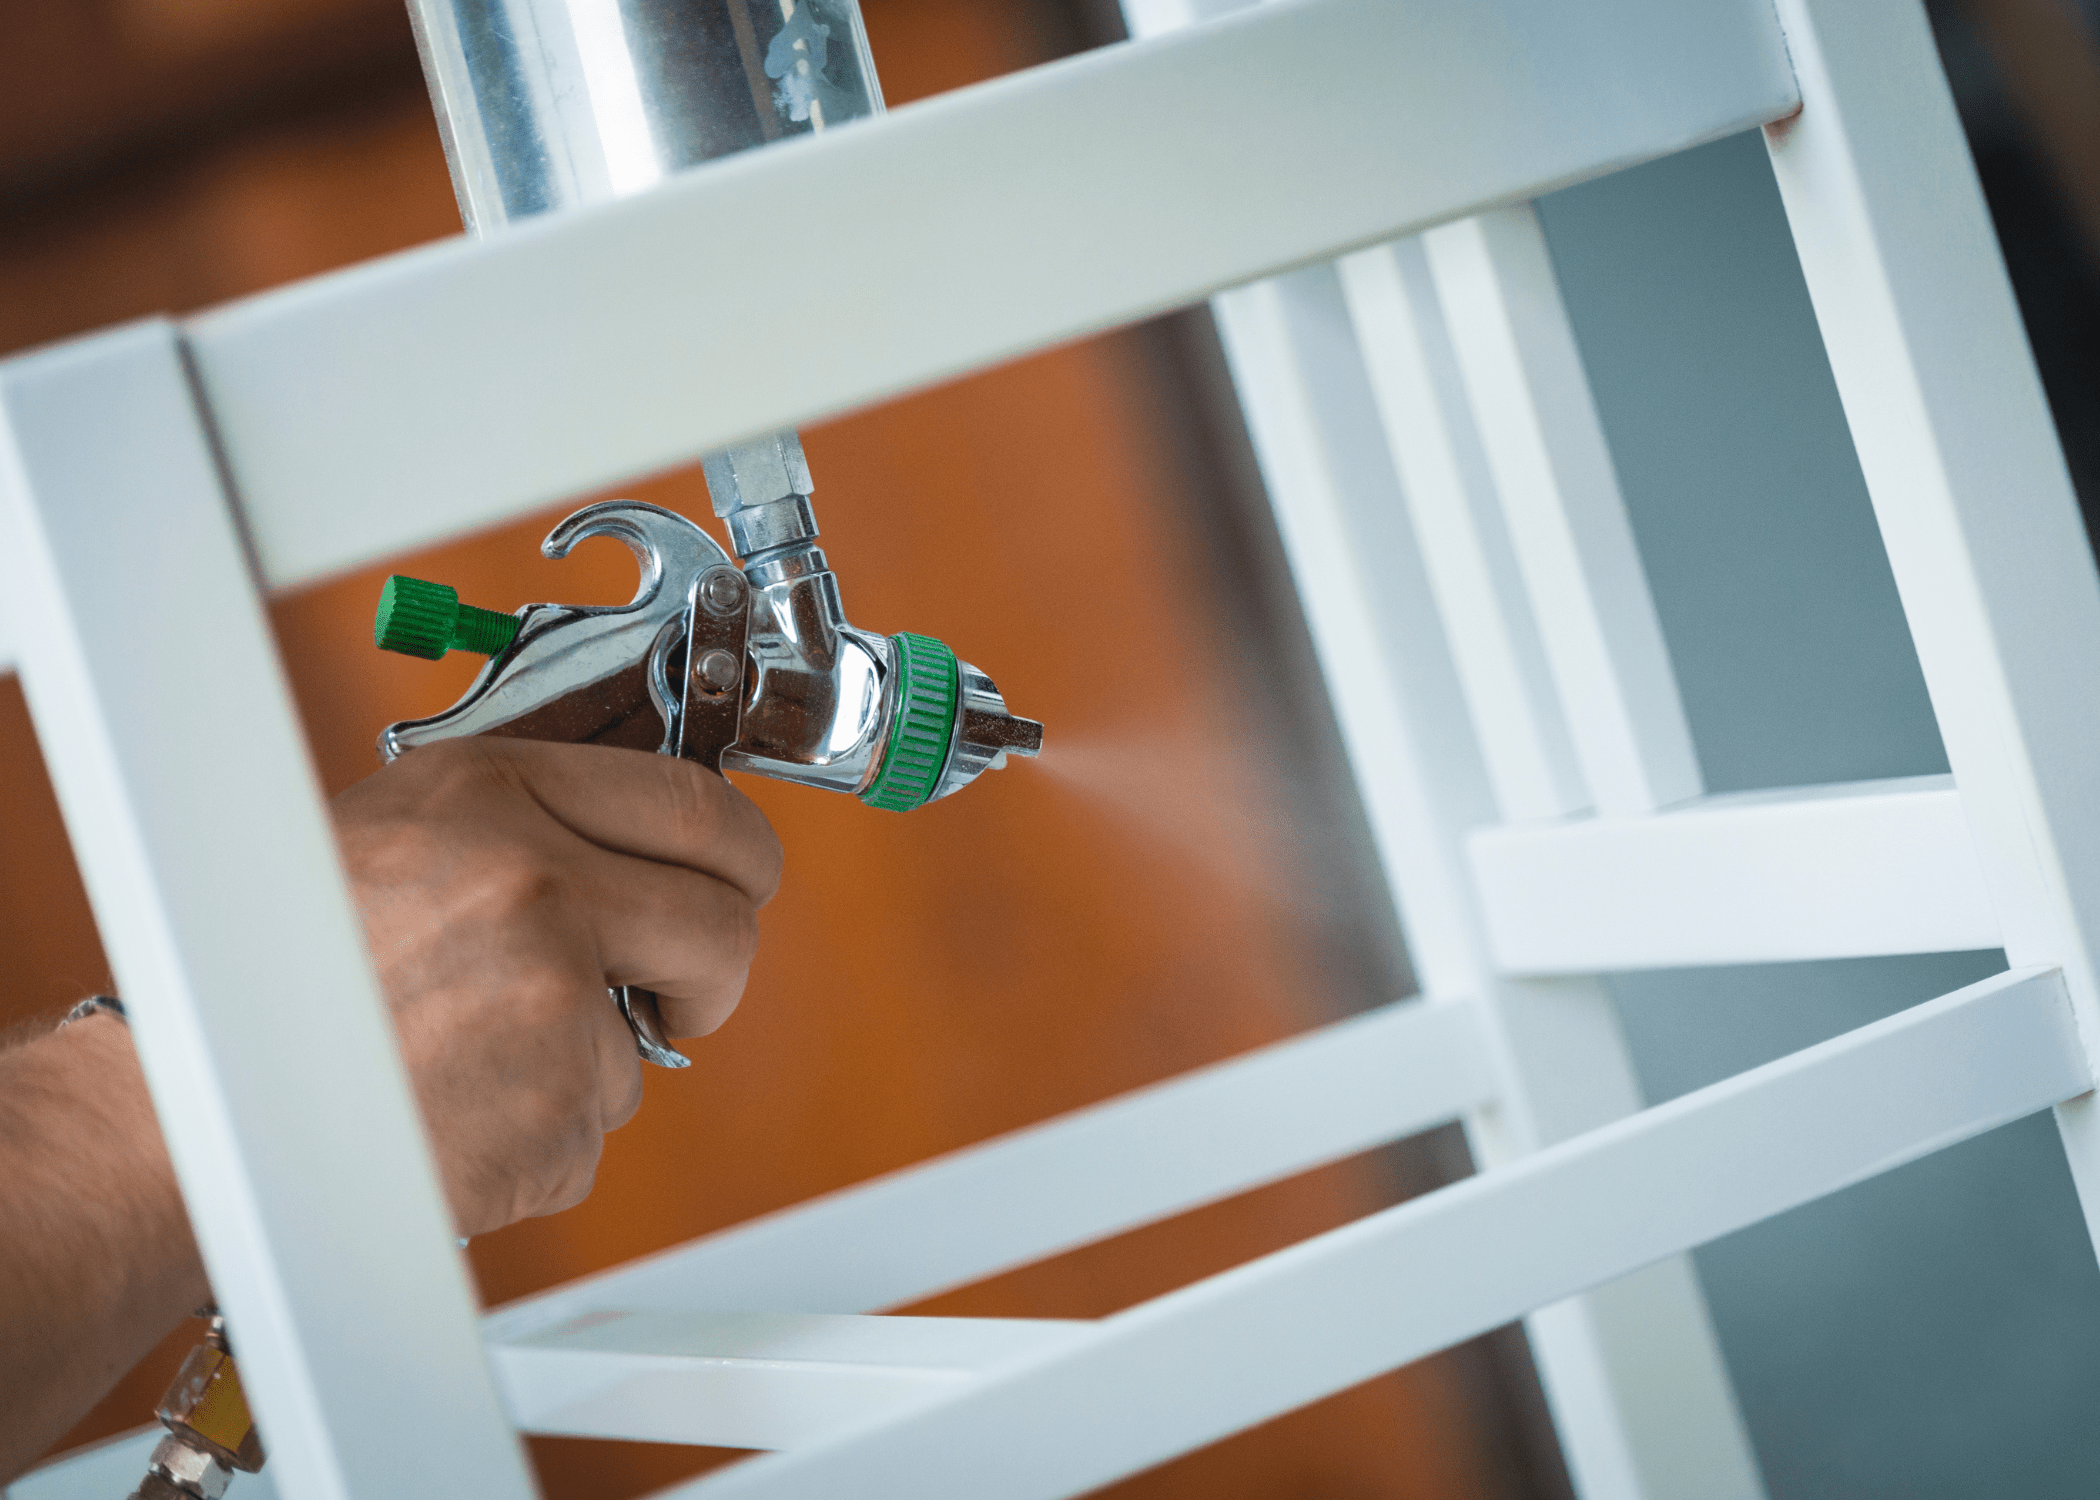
(1767, 568)
(1934, 1333)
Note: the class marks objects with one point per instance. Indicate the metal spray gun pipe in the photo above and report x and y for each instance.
(552, 104)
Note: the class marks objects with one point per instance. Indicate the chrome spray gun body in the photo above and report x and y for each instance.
(746, 665)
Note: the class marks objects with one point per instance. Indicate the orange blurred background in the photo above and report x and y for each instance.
(1174, 883)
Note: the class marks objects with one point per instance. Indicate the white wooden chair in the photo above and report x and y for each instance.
(1348, 179)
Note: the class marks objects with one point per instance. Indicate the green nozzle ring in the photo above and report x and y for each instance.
(921, 727)
(427, 620)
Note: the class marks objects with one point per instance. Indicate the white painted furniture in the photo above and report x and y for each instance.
(1348, 178)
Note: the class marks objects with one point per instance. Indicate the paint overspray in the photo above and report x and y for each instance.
(1201, 809)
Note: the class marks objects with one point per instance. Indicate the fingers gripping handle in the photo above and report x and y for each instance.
(663, 672)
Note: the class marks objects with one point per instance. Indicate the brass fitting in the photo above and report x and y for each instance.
(210, 1430)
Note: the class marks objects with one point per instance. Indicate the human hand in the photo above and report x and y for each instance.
(503, 885)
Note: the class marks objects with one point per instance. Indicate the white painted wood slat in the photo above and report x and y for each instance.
(1643, 1362)
(751, 1380)
(424, 394)
(1452, 502)
(1967, 477)
(182, 771)
(1751, 877)
(1334, 1310)
(1140, 1157)
(1567, 522)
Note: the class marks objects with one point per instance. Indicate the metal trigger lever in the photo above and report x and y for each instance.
(645, 1019)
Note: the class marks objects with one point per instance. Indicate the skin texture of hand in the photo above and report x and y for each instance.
(503, 885)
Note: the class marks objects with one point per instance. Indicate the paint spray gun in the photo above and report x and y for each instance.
(750, 668)
(747, 665)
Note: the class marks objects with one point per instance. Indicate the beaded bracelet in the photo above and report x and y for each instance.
(95, 1005)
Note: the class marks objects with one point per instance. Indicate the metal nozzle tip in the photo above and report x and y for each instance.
(1003, 733)
(1028, 737)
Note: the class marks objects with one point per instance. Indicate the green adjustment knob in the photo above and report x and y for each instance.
(921, 727)
(427, 620)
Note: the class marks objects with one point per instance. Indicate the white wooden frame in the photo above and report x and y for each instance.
(1449, 508)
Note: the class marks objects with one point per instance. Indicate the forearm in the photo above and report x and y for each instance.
(97, 1262)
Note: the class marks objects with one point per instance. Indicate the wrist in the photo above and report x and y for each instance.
(96, 1123)
(97, 1262)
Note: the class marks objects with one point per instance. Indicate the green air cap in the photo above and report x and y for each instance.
(427, 620)
(923, 725)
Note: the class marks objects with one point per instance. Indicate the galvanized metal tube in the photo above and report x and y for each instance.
(551, 104)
